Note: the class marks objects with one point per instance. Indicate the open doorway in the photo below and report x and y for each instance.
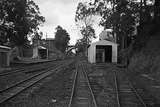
(103, 53)
(42, 53)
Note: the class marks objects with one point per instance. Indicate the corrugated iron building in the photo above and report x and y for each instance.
(102, 52)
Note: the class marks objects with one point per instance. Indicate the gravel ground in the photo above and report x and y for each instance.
(54, 91)
(151, 88)
(102, 78)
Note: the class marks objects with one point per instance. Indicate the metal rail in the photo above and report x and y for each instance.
(27, 79)
(25, 69)
(13, 91)
(73, 86)
(94, 100)
(117, 92)
(83, 81)
(40, 71)
(133, 89)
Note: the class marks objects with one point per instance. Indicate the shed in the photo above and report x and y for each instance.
(4, 56)
(103, 51)
(40, 52)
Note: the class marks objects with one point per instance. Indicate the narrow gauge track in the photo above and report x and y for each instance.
(82, 95)
(126, 94)
(17, 88)
(27, 69)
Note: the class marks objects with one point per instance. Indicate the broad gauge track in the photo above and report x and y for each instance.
(19, 87)
(15, 77)
(28, 69)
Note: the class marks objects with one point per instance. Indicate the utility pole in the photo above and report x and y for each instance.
(47, 47)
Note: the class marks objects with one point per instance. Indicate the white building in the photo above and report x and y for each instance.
(103, 51)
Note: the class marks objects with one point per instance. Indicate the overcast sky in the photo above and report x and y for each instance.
(59, 12)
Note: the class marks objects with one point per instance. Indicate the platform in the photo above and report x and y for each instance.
(32, 61)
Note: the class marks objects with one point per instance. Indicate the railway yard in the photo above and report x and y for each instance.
(73, 83)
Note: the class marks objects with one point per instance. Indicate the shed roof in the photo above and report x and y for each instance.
(104, 42)
(50, 39)
(41, 47)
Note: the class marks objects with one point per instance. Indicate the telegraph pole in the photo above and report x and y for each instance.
(47, 47)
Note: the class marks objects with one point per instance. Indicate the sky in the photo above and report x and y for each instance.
(60, 12)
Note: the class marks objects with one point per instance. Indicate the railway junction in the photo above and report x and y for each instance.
(71, 83)
(59, 58)
(93, 79)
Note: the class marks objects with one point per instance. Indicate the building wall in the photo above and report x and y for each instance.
(114, 54)
(35, 52)
(92, 54)
(28, 52)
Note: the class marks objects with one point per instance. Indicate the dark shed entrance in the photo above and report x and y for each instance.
(42, 53)
(103, 53)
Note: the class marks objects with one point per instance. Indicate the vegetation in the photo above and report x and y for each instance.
(81, 46)
(84, 20)
(61, 39)
(133, 21)
(18, 19)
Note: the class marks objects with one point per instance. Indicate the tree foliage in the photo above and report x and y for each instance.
(157, 15)
(80, 45)
(126, 17)
(119, 15)
(18, 18)
(84, 20)
(61, 39)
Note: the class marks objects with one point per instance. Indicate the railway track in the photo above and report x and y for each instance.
(126, 94)
(27, 69)
(15, 77)
(82, 95)
(19, 87)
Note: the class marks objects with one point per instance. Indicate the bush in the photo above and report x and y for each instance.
(140, 63)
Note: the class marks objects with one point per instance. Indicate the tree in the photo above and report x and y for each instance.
(19, 18)
(84, 20)
(119, 15)
(157, 15)
(80, 46)
(61, 39)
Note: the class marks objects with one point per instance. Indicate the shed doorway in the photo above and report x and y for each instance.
(42, 53)
(103, 53)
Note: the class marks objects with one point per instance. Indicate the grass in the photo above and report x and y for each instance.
(147, 62)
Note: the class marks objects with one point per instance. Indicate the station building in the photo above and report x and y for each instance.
(104, 50)
(40, 52)
(4, 56)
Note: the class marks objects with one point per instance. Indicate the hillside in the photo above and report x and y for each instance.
(148, 59)
(144, 67)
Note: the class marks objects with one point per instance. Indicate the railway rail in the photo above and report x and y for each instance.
(82, 95)
(27, 69)
(19, 87)
(126, 94)
(15, 76)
